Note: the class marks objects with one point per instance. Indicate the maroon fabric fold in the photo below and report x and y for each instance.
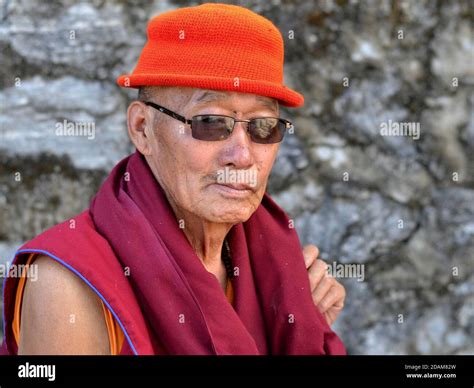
(184, 305)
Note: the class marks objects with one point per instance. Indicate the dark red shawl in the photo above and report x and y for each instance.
(186, 308)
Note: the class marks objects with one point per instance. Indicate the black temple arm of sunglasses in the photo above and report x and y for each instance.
(168, 112)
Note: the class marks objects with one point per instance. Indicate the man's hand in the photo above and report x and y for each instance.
(328, 294)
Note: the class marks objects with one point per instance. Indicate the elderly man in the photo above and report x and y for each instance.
(181, 250)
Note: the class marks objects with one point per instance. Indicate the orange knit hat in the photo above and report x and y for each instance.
(214, 46)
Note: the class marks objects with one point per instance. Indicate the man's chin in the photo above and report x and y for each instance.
(230, 215)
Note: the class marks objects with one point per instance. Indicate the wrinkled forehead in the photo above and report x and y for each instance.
(203, 97)
(186, 98)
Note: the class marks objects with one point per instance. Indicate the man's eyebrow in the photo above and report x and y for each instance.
(270, 104)
(210, 96)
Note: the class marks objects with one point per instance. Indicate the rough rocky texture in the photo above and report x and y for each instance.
(401, 207)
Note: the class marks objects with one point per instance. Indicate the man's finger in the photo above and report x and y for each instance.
(334, 298)
(310, 254)
(316, 273)
(322, 289)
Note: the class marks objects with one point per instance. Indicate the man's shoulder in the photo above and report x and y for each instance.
(60, 314)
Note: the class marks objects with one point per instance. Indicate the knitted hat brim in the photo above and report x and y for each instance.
(286, 96)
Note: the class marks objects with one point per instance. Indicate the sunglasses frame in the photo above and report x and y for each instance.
(184, 120)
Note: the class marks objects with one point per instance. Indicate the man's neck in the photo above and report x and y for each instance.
(207, 240)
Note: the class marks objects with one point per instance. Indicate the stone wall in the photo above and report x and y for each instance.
(401, 206)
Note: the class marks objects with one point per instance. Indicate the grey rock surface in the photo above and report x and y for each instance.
(403, 208)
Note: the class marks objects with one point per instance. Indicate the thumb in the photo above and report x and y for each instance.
(310, 254)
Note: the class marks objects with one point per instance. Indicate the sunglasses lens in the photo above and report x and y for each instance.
(267, 130)
(211, 128)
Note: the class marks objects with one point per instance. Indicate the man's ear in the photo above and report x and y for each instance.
(139, 122)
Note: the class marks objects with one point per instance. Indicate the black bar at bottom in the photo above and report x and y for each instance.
(17, 371)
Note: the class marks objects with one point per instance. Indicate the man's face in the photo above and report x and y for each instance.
(217, 181)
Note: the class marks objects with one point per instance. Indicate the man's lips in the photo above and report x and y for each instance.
(237, 186)
(233, 190)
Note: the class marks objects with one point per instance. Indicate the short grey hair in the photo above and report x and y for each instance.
(144, 93)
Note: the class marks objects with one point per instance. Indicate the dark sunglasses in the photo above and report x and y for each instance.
(263, 130)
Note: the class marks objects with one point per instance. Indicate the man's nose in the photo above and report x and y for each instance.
(237, 148)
